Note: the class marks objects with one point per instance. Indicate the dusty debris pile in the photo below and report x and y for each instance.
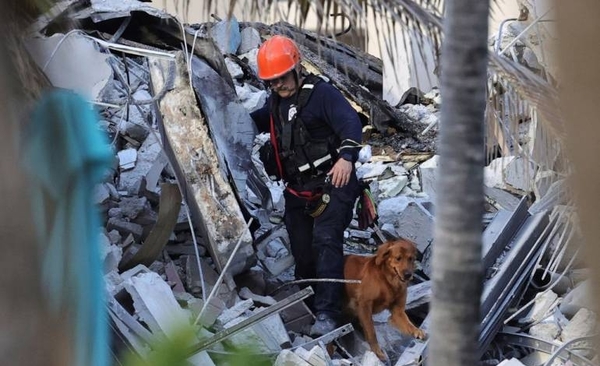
(193, 231)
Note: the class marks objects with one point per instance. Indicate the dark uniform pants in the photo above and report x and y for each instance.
(317, 244)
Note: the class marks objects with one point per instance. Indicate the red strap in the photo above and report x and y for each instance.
(307, 195)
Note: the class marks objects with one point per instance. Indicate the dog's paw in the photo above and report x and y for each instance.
(379, 353)
(419, 334)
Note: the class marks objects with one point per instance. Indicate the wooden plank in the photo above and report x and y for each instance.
(170, 205)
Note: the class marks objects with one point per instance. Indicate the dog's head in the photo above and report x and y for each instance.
(398, 257)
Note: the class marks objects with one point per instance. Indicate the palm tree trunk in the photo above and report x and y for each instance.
(578, 30)
(457, 269)
(30, 334)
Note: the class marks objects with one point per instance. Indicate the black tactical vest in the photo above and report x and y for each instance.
(301, 157)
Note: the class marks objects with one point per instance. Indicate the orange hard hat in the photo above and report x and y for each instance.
(276, 57)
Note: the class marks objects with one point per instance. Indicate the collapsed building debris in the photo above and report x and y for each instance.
(186, 180)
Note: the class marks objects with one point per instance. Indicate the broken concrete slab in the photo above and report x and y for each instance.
(194, 281)
(511, 362)
(196, 162)
(201, 359)
(544, 301)
(583, 324)
(87, 74)
(245, 293)
(578, 298)
(273, 332)
(387, 210)
(416, 224)
(230, 124)
(226, 34)
(234, 312)
(250, 40)
(510, 173)
(547, 330)
(289, 358)
(131, 180)
(155, 303)
(427, 173)
(391, 187)
(501, 199)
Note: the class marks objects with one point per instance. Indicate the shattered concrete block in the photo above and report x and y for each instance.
(127, 158)
(536, 358)
(140, 268)
(289, 358)
(370, 359)
(427, 172)
(148, 153)
(360, 234)
(416, 224)
(391, 187)
(276, 248)
(369, 171)
(226, 35)
(548, 331)
(388, 229)
(583, 324)
(541, 307)
(245, 293)
(194, 281)
(315, 357)
(110, 254)
(113, 282)
(510, 173)
(542, 182)
(251, 98)
(273, 332)
(250, 40)
(250, 57)
(155, 303)
(132, 206)
(135, 126)
(87, 74)
(511, 362)
(247, 338)
(201, 359)
(501, 199)
(234, 69)
(276, 266)
(578, 298)
(234, 312)
(101, 194)
(125, 228)
(555, 196)
(388, 209)
(215, 307)
(114, 237)
(419, 113)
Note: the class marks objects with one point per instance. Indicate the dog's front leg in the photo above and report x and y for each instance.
(365, 317)
(403, 323)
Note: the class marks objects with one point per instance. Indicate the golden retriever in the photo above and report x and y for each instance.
(384, 281)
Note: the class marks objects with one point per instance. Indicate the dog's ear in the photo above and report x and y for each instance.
(382, 253)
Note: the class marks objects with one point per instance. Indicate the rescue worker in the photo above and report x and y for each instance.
(315, 140)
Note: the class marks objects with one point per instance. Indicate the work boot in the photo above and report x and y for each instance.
(323, 325)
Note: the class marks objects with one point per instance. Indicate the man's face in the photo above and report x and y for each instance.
(285, 85)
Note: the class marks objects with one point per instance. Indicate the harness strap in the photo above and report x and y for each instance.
(307, 195)
(275, 147)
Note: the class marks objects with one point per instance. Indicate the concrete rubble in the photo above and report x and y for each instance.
(182, 119)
